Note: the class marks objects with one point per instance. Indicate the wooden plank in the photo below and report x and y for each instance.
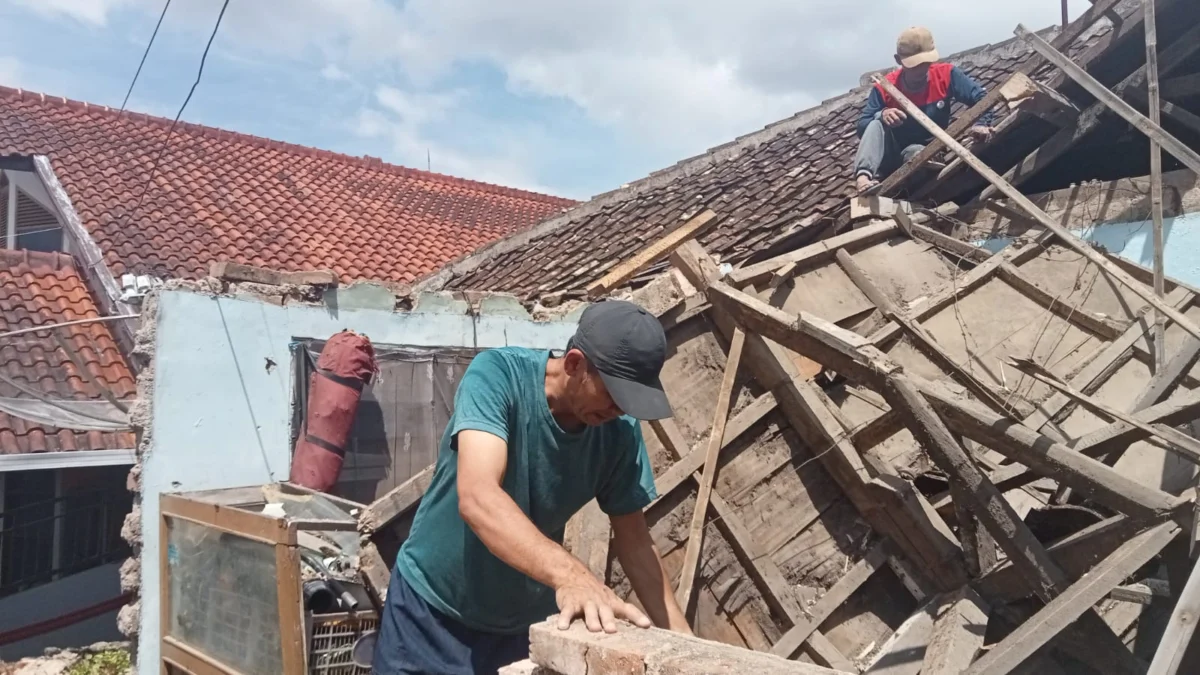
(1103, 94)
(192, 660)
(1112, 438)
(1181, 444)
(1154, 110)
(227, 518)
(960, 124)
(1047, 457)
(289, 599)
(1075, 601)
(808, 416)
(693, 461)
(765, 574)
(790, 642)
(374, 573)
(820, 252)
(957, 635)
(955, 247)
(923, 340)
(1180, 628)
(987, 503)
(1167, 377)
(691, 558)
(1075, 554)
(396, 502)
(1102, 326)
(659, 249)
(976, 422)
(1090, 119)
(1069, 238)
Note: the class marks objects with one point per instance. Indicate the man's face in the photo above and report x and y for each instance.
(917, 73)
(587, 396)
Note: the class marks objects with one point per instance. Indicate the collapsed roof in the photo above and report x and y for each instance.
(778, 188)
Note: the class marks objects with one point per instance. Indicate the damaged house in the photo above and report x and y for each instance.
(894, 451)
(99, 208)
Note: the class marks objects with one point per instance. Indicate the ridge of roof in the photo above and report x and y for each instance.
(54, 260)
(365, 161)
(689, 166)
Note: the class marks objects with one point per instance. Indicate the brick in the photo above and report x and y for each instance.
(577, 651)
(653, 651)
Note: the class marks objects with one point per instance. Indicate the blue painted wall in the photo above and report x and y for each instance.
(1135, 242)
(221, 416)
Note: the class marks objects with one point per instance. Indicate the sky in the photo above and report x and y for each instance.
(571, 98)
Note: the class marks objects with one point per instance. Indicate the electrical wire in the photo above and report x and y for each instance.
(76, 322)
(145, 54)
(171, 130)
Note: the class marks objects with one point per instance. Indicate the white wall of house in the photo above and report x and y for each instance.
(60, 598)
(223, 391)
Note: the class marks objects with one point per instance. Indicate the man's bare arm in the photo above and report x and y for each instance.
(512, 537)
(642, 564)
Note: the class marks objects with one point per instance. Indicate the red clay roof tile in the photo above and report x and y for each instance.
(219, 195)
(38, 289)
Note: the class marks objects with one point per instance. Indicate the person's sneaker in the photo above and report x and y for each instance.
(864, 183)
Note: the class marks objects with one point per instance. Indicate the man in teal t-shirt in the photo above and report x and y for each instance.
(533, 438)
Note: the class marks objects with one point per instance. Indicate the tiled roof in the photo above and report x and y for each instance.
(764, 187)
(38, 289)
(218, 195)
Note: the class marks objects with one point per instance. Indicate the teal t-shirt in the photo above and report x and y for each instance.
(550, 474)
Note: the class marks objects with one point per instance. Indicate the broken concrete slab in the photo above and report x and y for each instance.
(651, 651)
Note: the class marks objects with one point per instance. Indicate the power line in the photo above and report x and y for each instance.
(171, 129)
(144, 55)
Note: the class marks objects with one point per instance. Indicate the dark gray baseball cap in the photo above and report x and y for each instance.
(627, 346)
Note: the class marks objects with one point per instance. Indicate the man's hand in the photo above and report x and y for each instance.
(894, 117)
(600, 607)
(981, 133)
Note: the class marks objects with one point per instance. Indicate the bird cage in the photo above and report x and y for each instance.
(233, 590)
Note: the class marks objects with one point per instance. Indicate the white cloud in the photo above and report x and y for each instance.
(333, 73)
(671, 76)
(89, 11)
(402, 119)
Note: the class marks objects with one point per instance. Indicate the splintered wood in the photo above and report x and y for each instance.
(820, 542)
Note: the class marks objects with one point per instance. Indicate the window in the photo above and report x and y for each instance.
(55, 523)
(400, 418)
(31, 224)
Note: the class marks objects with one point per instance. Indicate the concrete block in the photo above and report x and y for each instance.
(503, 305)
(440, 303)
(653, 651)
(361, 295)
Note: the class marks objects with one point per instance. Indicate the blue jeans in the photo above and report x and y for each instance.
(415, 639)
(878, 154)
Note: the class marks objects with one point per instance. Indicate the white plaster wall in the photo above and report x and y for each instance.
(221, 417)
(57, 598)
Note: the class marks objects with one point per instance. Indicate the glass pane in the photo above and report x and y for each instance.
(224, 601)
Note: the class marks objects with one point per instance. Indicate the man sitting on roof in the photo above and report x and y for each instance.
(888, 138)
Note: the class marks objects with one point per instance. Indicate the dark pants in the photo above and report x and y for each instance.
(415, 639)
(879, 154)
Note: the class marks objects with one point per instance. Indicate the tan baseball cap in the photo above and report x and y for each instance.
(915, 46)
